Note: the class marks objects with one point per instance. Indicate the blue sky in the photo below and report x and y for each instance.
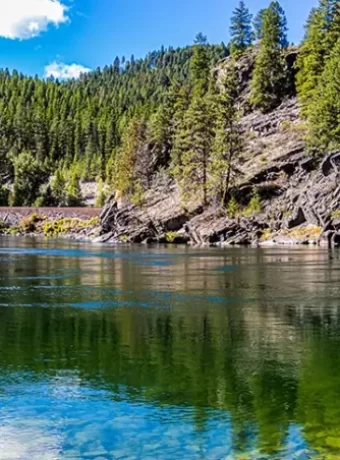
(36, 35)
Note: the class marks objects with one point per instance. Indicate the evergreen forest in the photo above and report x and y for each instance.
(168, 115)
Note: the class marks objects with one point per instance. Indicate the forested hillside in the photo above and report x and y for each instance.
(73, 130)
(169, 115)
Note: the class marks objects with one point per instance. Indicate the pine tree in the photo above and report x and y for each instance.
(199, 66)
(241, 31)
(268, 85)
(258, 23)
(324, 113)
(191, 152)
(333, 33)
(133, 161)
(310, 60)
(58, 188)
(161, 130)
(227, 145)
(279, 16)
(73, 189)
(116, 65)
(322, 34)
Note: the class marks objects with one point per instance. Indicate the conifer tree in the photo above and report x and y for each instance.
(227, 144)
(334, 32)
(268, 85)
(73, 190)
(279, 15)
(133, 162)
(324, 112)
(161, 129)
(199, 66)
(322, 34)
(116, 65)
(310, 61)
(191, 151)
(257, 24)
(241, 31)
(58, 188)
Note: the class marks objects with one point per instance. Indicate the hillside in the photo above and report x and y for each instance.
(299, 193)
(205, 144)
(76, 127)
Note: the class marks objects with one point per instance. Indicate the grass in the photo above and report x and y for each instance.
(289, 126)
(49, 227)
(67, 225)
(308, 232)
(29, 224)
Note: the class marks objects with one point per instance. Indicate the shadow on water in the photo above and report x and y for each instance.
(220, 352)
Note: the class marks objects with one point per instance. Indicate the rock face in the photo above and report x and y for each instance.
(163, 214)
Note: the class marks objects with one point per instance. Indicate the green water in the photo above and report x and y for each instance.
(168, 353)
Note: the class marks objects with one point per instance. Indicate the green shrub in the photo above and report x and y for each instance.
(3, 226)
(29, 224)
(102, 194)
(67, 225)
(124, 239)
(233, 207)
(254, 206)
(138, 196)
(170, 237)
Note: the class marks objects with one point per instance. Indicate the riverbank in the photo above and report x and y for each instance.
(135, 225)
(76, 223)
(85, 224)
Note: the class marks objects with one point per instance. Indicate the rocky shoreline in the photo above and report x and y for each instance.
(206, 229)
(74, 223)
(300, 204)
(301, 209)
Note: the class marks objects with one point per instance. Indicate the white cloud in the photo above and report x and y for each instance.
(24, 19)
(61, 70)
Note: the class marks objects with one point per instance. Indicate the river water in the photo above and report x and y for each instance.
(113, 352)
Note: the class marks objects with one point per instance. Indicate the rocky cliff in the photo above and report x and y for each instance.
(299, 194)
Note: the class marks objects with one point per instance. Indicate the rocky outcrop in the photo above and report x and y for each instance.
(162, 216)
(302, 209)
(300, 195)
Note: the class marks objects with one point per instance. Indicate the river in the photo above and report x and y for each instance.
(114, 352)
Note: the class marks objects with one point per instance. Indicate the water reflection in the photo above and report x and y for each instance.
(169, 352)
